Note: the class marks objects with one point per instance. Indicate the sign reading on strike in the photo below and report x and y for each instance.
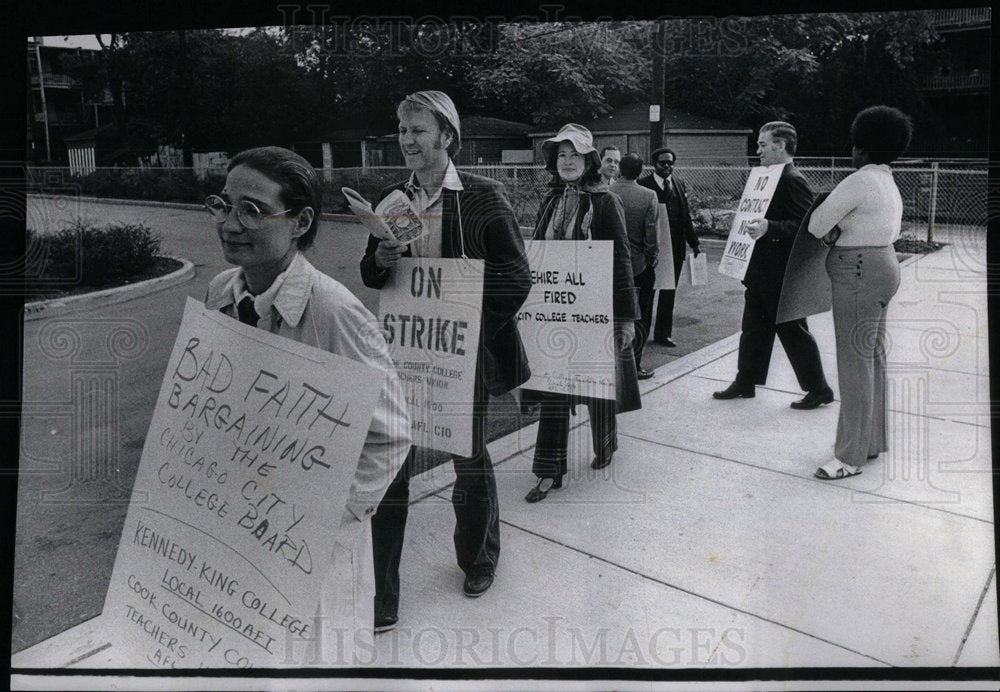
(757, 194)
(430, 312)
(567, 322)
(241, 486)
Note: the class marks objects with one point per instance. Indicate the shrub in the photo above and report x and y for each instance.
(96, 256)
(712, 214)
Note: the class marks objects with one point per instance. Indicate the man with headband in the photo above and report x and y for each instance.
(469, 216)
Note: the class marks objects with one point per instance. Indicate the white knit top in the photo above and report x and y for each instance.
(867, 207)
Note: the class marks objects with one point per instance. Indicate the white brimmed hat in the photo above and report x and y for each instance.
(579, 137)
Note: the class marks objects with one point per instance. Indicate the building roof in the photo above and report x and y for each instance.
(109, 131)
(486, 127)
(635, 118)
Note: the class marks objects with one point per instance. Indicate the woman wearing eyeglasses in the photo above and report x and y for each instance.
(266, 215)
(579, 206)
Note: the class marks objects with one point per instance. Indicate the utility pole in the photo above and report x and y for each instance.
(659, 72)
(45, 108)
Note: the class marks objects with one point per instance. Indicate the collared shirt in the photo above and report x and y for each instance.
(429, 209)
(263, 302)
(660, 182)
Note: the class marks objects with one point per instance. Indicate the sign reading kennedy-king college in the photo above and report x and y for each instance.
(430, 312)
(567, 322)
(757, 194)
(242, 483)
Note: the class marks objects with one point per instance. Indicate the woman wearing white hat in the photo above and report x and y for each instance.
(579, 206)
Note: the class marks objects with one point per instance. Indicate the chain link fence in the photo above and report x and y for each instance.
(952, 193)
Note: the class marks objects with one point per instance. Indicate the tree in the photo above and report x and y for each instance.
(814, 70)
(201, 90)
(562, 71)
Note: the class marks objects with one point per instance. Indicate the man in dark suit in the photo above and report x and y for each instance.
(774, 234)
(641, 213)
(466, 215)
(671, 192)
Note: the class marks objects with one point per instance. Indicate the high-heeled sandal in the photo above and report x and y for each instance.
(536, 494)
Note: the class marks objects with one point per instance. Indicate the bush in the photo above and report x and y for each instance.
(712, 215)
(95, 256)
(156, 184)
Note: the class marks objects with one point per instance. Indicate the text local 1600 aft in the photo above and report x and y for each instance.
(242, 484)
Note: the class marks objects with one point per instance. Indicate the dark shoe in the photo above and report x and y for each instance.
(813, 400)
(736, 391)
(599, 463)
(536, 494)
(643, 374)
(666, 341)
(477, 584)
(385, 623)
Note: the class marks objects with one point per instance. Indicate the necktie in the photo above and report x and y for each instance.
(248, 315)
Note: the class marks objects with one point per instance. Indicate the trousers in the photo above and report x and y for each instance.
(760, 308)
(644, 283)
(473, 498)
(553, 433)
(864, 280)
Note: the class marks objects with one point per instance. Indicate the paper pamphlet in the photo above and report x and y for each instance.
(393, 219)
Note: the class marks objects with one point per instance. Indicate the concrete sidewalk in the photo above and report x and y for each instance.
(708, 543)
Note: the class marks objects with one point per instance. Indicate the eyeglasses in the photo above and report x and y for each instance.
(247, 213)
(664, 164)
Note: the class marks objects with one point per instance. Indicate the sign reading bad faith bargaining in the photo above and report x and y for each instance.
(757, 194)
(430, 312)
(242, 483)
(567, 322)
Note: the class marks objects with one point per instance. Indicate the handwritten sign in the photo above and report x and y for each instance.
(757, 194)
(665, 266)
(567, 322)
(430, 312)
(241, 486)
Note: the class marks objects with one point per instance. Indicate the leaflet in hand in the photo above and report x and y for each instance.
(393, 219)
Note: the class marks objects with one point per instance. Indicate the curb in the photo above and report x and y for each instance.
(126, 202)
(55, 307)
(331, 216)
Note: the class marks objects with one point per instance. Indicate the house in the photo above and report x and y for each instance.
(89, 149)
(695, 139)
(958, 90)
(484, 141)
(57, 107)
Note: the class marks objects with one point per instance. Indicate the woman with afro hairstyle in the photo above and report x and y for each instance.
(860, 220)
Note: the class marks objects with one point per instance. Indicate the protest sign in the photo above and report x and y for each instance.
(567, 322)
(430, 311)
(757, 194)
(806, 288)
(665, 266)
(241, 486)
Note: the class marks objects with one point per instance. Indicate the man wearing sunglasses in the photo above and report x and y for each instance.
(671, 193)
(266, 215)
